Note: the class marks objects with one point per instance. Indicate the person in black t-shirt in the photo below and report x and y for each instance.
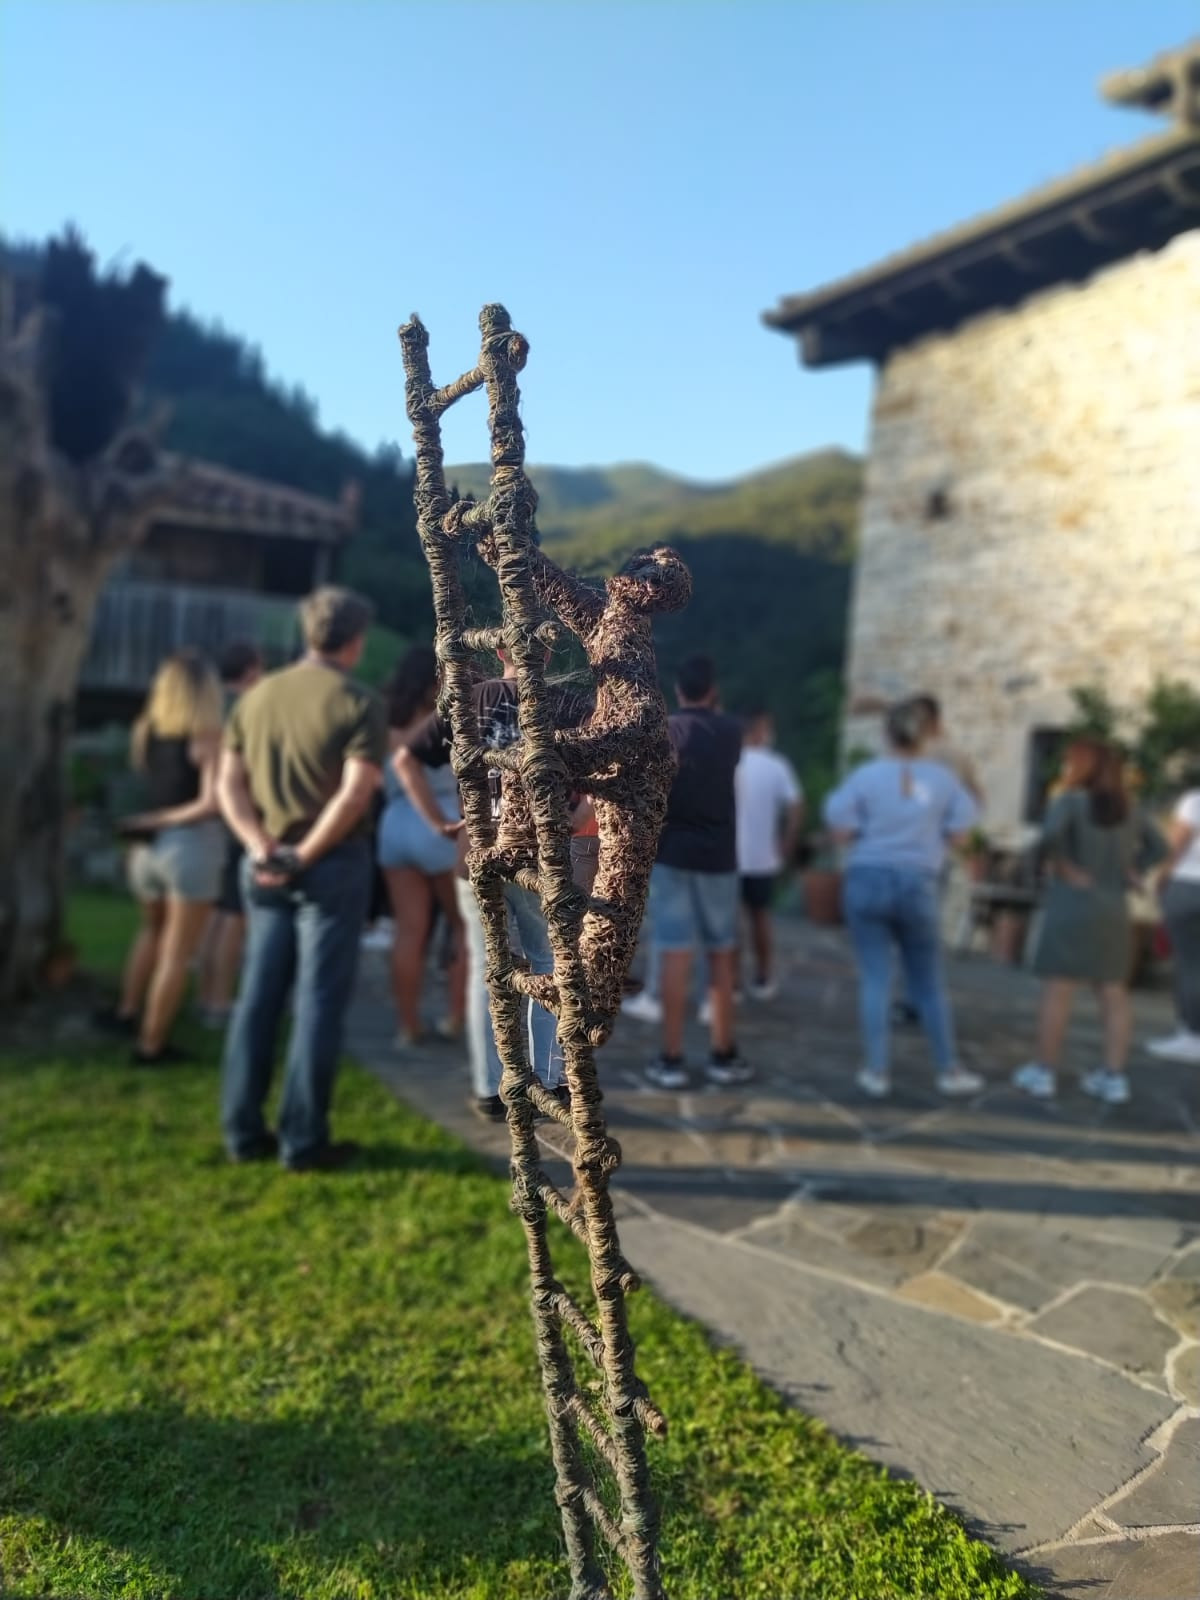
(694, 885)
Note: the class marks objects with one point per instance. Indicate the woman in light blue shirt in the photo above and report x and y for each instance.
(896, 815)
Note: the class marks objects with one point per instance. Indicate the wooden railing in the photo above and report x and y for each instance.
(139, 621)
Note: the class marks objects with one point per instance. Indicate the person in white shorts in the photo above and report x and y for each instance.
(769, 808)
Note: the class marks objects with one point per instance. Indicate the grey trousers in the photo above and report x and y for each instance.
(1181, 912)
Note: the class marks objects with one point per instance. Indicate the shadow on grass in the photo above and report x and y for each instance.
(373, 1156)
(200, 1507)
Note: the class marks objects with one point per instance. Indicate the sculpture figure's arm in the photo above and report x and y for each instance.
(577, 603)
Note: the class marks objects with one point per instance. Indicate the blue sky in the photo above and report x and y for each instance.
(637, 182)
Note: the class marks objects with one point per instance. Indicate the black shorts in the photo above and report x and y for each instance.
(758, 890)
(229, 900)
(381, 905)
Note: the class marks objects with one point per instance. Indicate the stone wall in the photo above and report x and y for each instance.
(1032, 512)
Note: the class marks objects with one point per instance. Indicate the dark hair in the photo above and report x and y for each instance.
(929, 705)
(1098, 767)
(906, 724)
(754, 710)
(696, 678)
(412, 685)
(332, 617)
(237, 659)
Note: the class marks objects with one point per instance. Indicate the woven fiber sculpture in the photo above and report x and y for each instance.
(620, 757)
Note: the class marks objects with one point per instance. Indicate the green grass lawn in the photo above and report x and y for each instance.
(100, 925)
(228, 1382)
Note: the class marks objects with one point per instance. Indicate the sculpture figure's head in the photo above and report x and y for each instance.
(652, 581)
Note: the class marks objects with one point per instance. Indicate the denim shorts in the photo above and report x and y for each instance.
(181, 863)
(690, 910)
(407, 840)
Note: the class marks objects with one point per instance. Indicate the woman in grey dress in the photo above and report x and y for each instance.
(1094, 844)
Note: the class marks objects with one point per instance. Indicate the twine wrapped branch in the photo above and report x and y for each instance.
(621, 758)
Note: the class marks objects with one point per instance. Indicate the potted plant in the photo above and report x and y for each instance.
(977, 852)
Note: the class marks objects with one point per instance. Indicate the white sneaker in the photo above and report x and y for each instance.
(729, 1073)
(642, 1008)
(664, 1074)
(958, 1081)
(876, 1084)
(1181, 1046)
(764, 991)
(1110, 1087)
(381, 936)
(1036, 1080)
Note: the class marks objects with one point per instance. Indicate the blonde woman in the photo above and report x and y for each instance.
(175, 869)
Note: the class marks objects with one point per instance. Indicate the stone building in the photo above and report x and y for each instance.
(1031, 519)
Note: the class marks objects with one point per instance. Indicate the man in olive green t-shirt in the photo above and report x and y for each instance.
(303, 756)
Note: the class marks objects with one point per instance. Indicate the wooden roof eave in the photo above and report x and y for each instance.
(243, 521)
(1075, 222)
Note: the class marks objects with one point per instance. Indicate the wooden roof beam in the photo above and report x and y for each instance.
(1090, 226)
(1180, 186)
(951, 285)
(1023, 260)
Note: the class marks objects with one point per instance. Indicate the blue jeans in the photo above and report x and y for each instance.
(545, 1056)
(898, 906)
(305, 935)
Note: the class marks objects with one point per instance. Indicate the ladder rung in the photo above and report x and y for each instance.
(547, 1104)
(580, 1325)
(598, 1512)
(603, 1441)
(561, 1206)
(441, 399)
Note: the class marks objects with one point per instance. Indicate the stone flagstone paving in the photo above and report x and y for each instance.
(999, 1298)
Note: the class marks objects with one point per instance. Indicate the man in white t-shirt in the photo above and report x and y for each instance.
(769, 809)
(1181, 912)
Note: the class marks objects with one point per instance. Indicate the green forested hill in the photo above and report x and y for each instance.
(223, 408)
(809, 502)
(570, 497)
(770, 553)
(771, 557)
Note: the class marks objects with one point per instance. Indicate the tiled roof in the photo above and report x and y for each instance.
(215, 497)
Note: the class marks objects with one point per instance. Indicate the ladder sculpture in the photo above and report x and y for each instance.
(620, 757)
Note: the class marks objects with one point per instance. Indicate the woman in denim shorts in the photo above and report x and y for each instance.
(418, 864)
(175, 868)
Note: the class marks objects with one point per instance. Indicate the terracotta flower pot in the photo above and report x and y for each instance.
(823, 897)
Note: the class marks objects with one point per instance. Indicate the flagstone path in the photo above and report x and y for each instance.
(1000, 1299)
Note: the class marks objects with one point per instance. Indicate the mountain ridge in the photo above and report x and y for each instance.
(587, 500)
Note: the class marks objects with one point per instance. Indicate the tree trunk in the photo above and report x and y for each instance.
(44, 627)
(63, 524)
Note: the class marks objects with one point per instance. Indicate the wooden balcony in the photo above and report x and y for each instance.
(139, 621)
